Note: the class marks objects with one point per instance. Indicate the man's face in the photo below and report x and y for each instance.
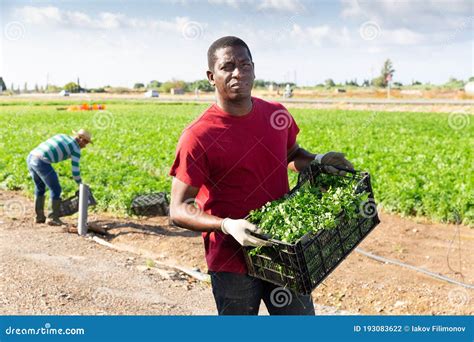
(82, 142)
(233, 73)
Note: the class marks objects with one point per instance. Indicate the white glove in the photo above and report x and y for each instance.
(335, 159)
(240, 230)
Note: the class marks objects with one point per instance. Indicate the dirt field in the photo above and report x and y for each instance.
(443, 101)
(47, 270)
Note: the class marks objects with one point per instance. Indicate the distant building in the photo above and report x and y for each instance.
(177, 91)
(469, 88)
(152, 93)
(288, 91)
(3, 87)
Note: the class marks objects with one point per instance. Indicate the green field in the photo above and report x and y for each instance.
(420, 165)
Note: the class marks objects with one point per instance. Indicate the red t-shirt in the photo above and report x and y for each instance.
(239, 163)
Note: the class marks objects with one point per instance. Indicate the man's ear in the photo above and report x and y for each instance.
(210, 77)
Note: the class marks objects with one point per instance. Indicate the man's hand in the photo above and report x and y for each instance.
(330, 159)
(240, 230)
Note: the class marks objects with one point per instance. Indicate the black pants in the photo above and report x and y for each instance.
(240, 294)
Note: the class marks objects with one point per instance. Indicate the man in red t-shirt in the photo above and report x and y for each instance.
(229, 161)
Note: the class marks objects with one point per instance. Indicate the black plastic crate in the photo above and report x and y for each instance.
(70, 205)
(305, 264)
(154, 204)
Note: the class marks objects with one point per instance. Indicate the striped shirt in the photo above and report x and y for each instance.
(59, 148)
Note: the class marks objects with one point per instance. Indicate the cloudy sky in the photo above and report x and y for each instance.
(123, 42)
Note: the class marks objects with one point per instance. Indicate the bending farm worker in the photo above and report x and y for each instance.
(54, 150)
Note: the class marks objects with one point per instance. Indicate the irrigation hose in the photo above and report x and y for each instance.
(414, 268)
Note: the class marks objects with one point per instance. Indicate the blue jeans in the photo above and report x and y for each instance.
(241, 294)
(43, 175)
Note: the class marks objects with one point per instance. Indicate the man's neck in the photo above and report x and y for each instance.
(236, 108)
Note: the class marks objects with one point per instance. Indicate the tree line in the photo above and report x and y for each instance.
(384, 79)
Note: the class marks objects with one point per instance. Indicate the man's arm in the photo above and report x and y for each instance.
(185, 214)
(298, 158)
(76, 172)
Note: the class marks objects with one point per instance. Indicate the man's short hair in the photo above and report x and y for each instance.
(228, 41)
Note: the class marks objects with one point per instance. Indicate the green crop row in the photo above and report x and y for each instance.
(420, 164)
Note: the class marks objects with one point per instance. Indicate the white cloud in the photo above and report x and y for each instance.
(416, 14)
(375, 50)
(317, 34)
(323, 35)
(350, 8)
(402, 37)
(293, 6)
(112, 20)
(428, 22)
(231, 3)
(40, 15)
(328, 36)
(53, 16)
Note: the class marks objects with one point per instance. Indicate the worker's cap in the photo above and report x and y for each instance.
(84, 134)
